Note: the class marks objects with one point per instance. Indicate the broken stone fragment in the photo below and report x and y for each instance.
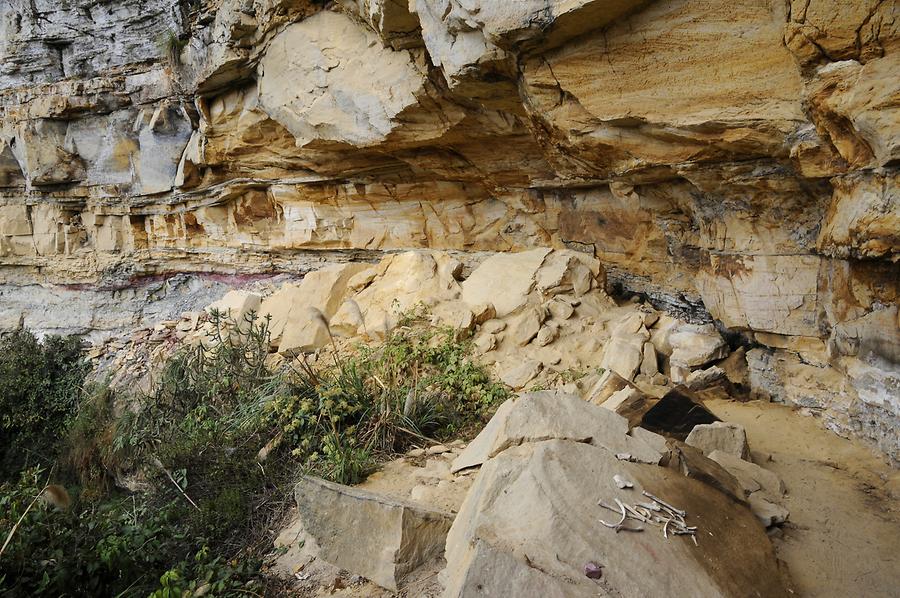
(514, 273)
(546, 335)
(725, 437)
(750, 475)
(454, 314)
(765, 488)
(527, 325)
(567, 272)
(520, 375)
(606, 385)
(560, 310)
(494, 326)
(288, 308)
(623, 355)
(768, 512)
(236, 307)
(649, 363)
(403, 282)
(694, 346)
(485, 343)
(306, 331)
(379, 538)
(693, 464)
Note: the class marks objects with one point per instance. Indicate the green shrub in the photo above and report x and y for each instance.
(40, 386)
(193, 443)
(419, 384)
(121, 546)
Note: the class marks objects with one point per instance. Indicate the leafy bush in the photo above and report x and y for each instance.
(40, 386)
(419, 384)
(194, 442)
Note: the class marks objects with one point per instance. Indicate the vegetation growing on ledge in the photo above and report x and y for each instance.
(211, 452)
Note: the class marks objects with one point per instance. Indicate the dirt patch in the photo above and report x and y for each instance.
(843, 535)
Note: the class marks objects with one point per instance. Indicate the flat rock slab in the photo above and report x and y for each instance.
(530, 524)
(368, 534)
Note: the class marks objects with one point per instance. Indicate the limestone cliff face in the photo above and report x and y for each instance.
(734, 161)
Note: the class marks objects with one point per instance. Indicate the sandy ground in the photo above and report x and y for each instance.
(842, 539)
(843, 536)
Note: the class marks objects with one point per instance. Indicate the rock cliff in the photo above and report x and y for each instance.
(734, 164)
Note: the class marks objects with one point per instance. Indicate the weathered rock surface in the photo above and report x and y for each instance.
(724, 437)
(735, 165)
(545, 415)
(554, 486)
(371, 535)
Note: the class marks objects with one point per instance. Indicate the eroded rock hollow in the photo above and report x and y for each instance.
(732, 163)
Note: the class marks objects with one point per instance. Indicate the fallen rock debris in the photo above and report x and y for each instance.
(657, 513)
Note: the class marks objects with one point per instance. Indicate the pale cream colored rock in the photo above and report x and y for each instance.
(493, 326)
(527, 325)
(728, 438)
(560, 310)
(543, 415)
(371, 535)
(504, 280)
(236, 305)
(546, 335)
(483, 312)
(325, 78)
(455, 314)
(768, 512)
(694, 345)
(621, 397)
(605, 386)
(409, 280)
(649, 362)
(485, 342)
(623, 355)
(551, 485)
(521, 374)
(567, 272)
(306, 330)
(753, 477)
(323, 289)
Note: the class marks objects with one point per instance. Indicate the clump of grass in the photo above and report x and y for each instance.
(419, 384)
(170, 47)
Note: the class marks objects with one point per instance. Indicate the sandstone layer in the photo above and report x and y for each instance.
(736, 166)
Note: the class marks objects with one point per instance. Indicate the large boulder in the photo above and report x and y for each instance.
(291, 318)
(379, 538)
(504, 280)
(547, 415)
(530, 525)
(400, 283)
(331, 82)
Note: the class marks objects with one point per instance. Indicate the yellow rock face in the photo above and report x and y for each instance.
(734, 161)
